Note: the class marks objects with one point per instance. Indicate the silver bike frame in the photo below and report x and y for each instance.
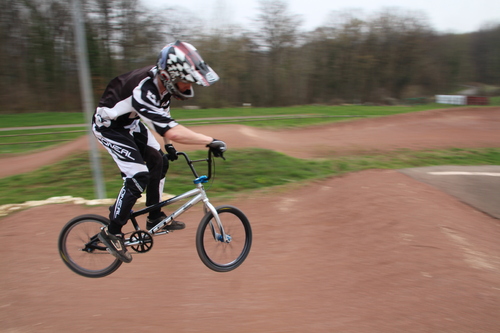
(199, 195)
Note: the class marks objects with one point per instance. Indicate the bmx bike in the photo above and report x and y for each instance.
(223, 238)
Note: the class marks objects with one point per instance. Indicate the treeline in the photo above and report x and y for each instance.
(388, 56)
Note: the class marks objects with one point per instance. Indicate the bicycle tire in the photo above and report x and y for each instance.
(222, 256)
(81, 250)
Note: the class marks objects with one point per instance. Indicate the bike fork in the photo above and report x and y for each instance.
(222, 236)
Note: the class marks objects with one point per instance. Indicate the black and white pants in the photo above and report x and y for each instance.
(137, 154)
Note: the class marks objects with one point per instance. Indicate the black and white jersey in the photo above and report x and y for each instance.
(131, 97)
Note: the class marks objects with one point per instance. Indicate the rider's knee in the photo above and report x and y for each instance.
(138, 183)
(156, 162)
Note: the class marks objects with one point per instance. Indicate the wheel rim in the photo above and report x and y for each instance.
(83, 255)
(226, 254)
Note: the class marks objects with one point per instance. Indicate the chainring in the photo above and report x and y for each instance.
(145, 241)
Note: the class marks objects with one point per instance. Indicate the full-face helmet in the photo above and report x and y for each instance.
(181, 61)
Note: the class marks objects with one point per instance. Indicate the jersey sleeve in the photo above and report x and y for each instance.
(147, 103)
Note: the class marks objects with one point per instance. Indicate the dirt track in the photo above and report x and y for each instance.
(374, 251)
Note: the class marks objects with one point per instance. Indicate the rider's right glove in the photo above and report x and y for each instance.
(217, 147)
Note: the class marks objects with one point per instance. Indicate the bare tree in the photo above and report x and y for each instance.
(277, 27)
(276, 36)
(485, 52)
(352, 58)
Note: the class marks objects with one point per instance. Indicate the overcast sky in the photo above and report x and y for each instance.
(443, 15)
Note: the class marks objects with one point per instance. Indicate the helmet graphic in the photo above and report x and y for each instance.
(181, 61)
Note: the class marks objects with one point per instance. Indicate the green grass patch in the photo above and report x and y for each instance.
(70, 118)
(495, 100)
(305, 109)
(244, 170)
(22, 141)
(318, 114)
(41, 119)
(27, 141)
(412, 159)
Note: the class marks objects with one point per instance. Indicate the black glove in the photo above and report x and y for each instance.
(217, 147)
(171, 152)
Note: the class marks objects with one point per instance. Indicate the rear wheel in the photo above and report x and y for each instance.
(82, 251)
(224, 254)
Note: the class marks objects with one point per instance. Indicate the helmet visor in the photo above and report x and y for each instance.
(202, 73)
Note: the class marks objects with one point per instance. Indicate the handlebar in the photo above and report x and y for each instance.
(190, 162)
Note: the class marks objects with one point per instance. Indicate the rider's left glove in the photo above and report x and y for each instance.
(171, 152)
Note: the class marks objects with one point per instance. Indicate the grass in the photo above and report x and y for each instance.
(22, 141)
(41, 119)
(244, 170)
(72, 118)
(26, 141)
(495, 100)
(318, 114)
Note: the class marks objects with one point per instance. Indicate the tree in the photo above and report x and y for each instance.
(352, 58)
(485, 53)
(276, 37)
(36, 38)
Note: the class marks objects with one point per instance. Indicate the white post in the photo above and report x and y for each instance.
(87, 97)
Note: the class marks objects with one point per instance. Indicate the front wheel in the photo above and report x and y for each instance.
(219, 253)
(82, 251)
